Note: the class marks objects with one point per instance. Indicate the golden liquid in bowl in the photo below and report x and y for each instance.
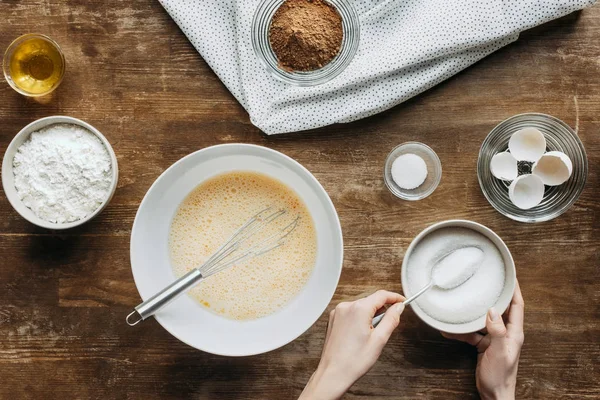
(35, 65)
(211, 213)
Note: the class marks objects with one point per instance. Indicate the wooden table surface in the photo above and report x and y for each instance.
(133, 75)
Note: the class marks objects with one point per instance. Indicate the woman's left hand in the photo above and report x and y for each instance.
(352, 345)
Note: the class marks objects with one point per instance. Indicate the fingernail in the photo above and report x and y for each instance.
(494, 314)
(399, 308)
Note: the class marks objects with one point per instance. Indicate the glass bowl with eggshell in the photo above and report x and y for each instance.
(425, 183)
(501, 303)
(559, 137)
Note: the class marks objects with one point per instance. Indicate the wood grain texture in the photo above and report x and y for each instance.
(133, 75)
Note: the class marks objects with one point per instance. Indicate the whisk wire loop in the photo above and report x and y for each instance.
(221, 260)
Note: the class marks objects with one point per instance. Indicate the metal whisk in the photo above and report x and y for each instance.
(231, 253)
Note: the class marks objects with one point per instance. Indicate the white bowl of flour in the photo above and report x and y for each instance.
(464, 308)
(59, 172)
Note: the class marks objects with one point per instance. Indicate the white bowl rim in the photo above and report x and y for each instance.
(502, 303)
(309, 175)
(7, 166)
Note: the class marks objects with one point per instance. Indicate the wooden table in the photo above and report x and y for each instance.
(133, 75)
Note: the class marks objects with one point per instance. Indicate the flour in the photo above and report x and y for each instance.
(62, 173)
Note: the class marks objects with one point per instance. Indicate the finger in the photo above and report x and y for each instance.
(484, 344)
(381, 298)
(382, 310)
(389, 323)
(494, 324)
(505, 315)
(471, 338)
(517, 311)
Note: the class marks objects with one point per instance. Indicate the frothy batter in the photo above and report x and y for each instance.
(207, 218)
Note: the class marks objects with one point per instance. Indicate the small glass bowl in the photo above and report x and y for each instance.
(557, 199)
(8, 54)
(262, 46)
(434, 171)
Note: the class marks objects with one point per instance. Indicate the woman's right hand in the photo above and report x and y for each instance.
(499, 350)
(352, 344)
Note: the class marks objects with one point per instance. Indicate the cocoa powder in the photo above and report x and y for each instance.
(305, 34)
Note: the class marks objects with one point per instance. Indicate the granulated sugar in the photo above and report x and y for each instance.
(468, 301)
(62, 173)
(455, 268)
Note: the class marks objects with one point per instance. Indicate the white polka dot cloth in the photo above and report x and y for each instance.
(406, 47)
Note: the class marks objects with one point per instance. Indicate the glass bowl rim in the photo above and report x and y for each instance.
(578, 191)
(436, 161)
(334, 68)
(6, 61)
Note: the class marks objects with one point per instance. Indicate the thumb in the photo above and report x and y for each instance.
(495, 324)
(390, 321)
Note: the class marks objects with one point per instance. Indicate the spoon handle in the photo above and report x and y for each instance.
(375, 321)
(418, 294)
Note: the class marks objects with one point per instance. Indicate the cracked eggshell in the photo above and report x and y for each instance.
(554, 168)
(504, 166)
(527, 191)
(528, 144)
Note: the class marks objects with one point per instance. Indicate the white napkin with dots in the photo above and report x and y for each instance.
(406, 47)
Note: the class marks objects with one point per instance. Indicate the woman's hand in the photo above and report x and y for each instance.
(352, 345)
(499, 350)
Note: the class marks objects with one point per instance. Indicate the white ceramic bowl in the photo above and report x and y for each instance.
(509, 280)
(8, 175)
(184, 318)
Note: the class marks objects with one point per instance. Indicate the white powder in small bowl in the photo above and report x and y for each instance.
(409, 171)
(63, 173)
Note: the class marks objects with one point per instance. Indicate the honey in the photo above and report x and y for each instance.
(34, 65)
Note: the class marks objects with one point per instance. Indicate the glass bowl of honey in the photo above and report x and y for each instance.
(33, 65)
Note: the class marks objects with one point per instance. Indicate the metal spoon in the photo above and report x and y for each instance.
(449, 281)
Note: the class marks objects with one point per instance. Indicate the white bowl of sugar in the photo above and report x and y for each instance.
(59, 172)
(462, 309)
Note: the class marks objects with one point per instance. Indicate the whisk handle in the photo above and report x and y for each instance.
(149, 307)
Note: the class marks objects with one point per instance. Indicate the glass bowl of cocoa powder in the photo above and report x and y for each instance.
(305, 42)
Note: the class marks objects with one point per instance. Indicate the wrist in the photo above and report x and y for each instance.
(325, 384)
(501, 396)
(506, 393)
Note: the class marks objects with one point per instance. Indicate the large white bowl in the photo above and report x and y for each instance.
(8, 177)
(184, 318)
(509, 279)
